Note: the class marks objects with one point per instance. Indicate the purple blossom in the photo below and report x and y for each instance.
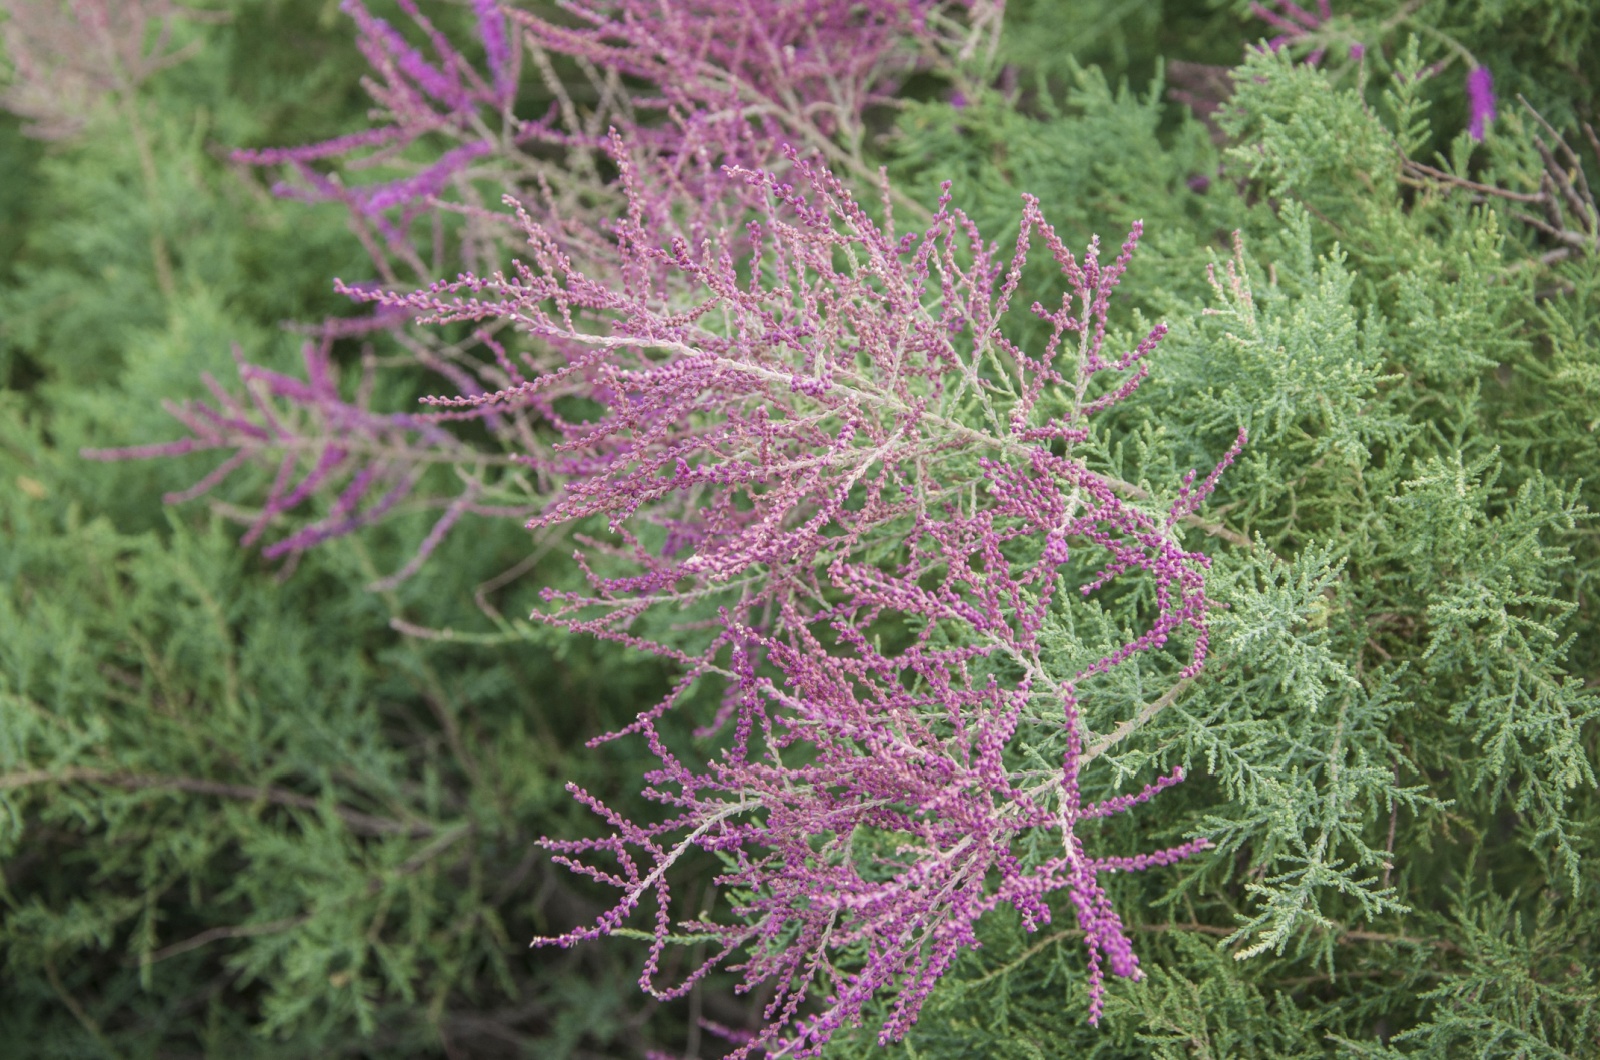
(428, 182)
(421, 95)
(1293, 19)
(1480, 101)
(1295, 22)
(782, 430)
(708, 85)
(497, 49)
(812, 422)
(317, 443)
(1295, 25)
(778, 67)
(65, 57)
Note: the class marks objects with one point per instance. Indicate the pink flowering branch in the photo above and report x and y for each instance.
(812, 427)
(803, 427)
(1480, 101)
(740, 77)
(700, 79)
(707, 86)
(67, 56)
(425, 94)
(856, 816)
(320, 444)
(870, 803)
(1297, 26)
(835, 395)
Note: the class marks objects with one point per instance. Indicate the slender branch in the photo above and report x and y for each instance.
(1138, 721)
(217, 934)
(1439, 176)
(882, 400)
(357, 821)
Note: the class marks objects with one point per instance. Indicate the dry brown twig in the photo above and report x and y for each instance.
(1567, 207)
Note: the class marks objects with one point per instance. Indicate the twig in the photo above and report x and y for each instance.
(1439, 176)
(1138, 721)
(358, 822)
(76, 1008)
(215, 934)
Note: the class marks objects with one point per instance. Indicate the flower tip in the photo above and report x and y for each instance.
(1480, 101)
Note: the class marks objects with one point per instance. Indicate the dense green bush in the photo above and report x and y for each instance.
(242, 815)
(271, 811)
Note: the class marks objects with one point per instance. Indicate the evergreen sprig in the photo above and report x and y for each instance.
(903, 597)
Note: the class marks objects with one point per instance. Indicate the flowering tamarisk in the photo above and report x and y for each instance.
(65, 58)
(741, 77)
(322, 442)
(812, 429)
(708, 84)
(694, 86)
(440, 95)
(829, 433)
(779, 424)
(1480, 101)
(1294, 23)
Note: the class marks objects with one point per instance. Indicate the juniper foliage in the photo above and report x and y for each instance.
(810, 468)
(243, 815)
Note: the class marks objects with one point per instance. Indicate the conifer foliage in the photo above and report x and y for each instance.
(1202, 631)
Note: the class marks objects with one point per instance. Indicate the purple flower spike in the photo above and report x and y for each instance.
(492, 31)
(870, 807)
(1480, 98)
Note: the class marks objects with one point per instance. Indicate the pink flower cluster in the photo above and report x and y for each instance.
(322, 442)
(66, 56)
(827, 433)
(709, 83)
(432, 96)
(1295, 23)
(1480, 101)
(838, 485)
(694, 84)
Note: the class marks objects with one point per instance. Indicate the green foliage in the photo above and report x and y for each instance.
(1394, 743)
(241, 811)
(1098, 158)
(243, 814)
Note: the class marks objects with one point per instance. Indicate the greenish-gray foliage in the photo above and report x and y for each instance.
(241, 814)
(1393, 745)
